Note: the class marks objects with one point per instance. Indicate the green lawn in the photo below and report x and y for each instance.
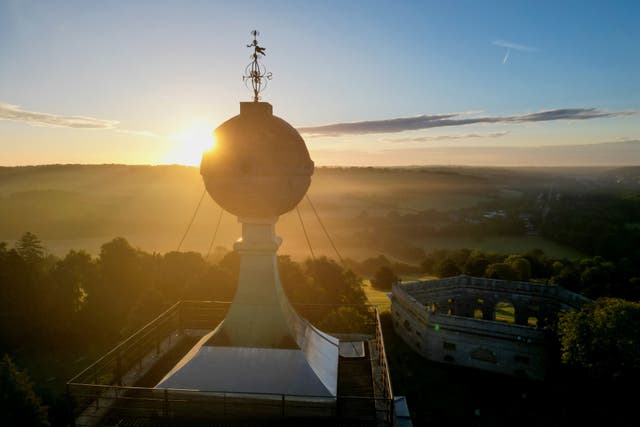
(377, 297)
(380, 299)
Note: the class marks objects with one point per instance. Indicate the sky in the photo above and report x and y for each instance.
(145, 82)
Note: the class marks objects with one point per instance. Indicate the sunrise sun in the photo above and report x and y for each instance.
(190, 143)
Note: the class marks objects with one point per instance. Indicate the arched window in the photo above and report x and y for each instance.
(477, 312)
(505, 312)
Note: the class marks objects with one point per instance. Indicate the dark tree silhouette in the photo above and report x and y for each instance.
(603, 337)
(19, 404)
(384, 278)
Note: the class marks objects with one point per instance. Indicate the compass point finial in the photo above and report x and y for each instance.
(255, 71)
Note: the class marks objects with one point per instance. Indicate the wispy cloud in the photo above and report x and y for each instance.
(15, 113)
(427, 138)
(427, 121)
(514, 46)
(506, 56)
(141, 133)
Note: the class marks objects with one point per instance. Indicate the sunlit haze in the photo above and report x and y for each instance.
(190, 144)
(380, 83)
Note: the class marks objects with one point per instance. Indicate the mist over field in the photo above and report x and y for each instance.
(368, 211)
(620, 153)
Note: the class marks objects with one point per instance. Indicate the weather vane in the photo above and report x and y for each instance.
(255, 71)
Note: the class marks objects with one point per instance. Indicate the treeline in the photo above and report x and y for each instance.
(593, 277)
(81, 305)
(597, 224)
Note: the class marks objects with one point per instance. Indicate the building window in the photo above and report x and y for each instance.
(484, 355)
(448, 346)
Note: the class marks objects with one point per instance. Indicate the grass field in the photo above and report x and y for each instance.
(377, 297)
(380, 299)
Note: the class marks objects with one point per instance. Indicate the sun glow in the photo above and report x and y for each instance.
(190, 144)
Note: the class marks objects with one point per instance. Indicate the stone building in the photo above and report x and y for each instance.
(495, 325)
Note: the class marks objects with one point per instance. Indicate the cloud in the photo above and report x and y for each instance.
(140, 133)
(514, 46)
(15, 113)
(447, 137)
(427, 121)
(506, 56)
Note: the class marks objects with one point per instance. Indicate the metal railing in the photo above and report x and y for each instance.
(106, 388)
(387, 390)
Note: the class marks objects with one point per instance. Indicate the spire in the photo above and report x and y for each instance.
(255, 71)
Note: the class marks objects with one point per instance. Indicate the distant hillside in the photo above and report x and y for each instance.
(84, 206)
(626, 153)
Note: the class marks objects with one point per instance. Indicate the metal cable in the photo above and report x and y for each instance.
(193, 217)
(325, 230)
(215, 233)
(306, 236)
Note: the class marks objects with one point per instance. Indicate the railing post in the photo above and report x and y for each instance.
(283, 406)
(165, 405)
(119, 368)
(392, 408)
(71, 406)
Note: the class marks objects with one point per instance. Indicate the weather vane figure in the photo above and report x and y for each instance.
(255, 71)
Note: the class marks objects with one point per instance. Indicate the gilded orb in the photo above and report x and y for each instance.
(260, 166)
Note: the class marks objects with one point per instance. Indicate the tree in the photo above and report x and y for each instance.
(476, 265)
(566, 276)
(520, 265)
(19, 404)
(296, 283)
(501, 270)
(123, 273)
(603, 337)
(447, 268)
(30, 248)
(68, 282)
(384, 278)
(176, 271)
(345, 320)
(341, 286)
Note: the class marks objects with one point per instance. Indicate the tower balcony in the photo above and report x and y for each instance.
(121, 388)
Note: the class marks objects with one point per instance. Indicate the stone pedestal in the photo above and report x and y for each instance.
(262, 346)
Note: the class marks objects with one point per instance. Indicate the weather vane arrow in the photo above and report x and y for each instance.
(255, 71)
